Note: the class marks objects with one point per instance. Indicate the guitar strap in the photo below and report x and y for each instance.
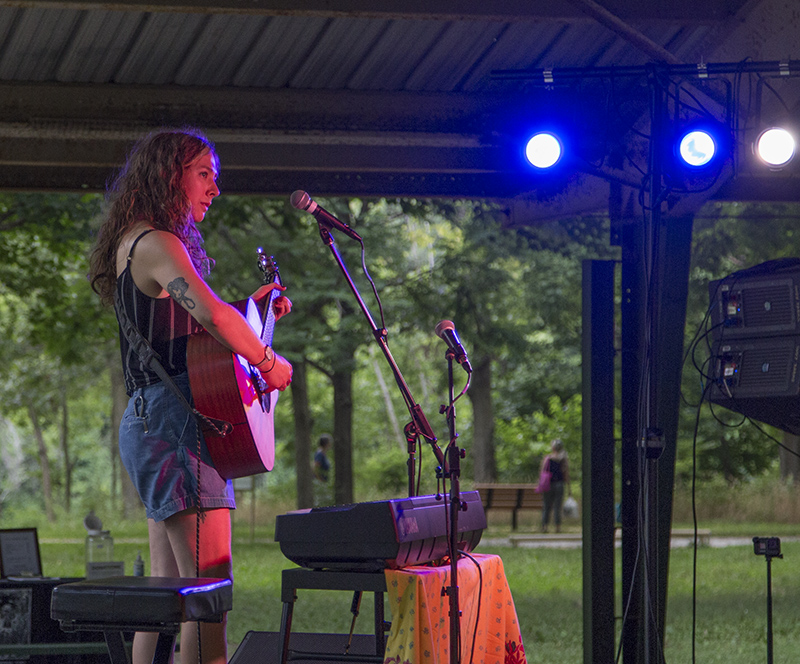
(152, 360)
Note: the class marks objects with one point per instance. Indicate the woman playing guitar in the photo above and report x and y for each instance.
(149, 260)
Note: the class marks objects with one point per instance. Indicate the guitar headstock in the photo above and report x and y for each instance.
(268, 267)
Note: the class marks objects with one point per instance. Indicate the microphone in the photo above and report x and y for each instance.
(302, 201)
(447, 331)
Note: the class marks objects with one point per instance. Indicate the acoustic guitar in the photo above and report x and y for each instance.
(225, 386)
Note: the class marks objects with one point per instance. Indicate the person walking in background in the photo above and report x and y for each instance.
(322, 468)
(557, 464)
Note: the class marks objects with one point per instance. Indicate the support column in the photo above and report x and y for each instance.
(598, 462)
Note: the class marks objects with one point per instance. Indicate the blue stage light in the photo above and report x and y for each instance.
(544, 150)
(775, 147)
(697, 148)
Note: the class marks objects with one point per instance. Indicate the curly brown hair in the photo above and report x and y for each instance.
(149, 188)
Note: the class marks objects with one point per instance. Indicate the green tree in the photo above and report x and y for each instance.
(514, 294)
(48, 320)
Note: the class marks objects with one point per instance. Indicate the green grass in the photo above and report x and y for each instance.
(545, 583)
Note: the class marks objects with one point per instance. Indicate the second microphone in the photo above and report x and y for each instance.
(447, 331)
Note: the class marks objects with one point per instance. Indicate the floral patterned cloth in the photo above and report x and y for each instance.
(420, 614)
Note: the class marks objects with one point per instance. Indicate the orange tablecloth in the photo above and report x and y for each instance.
(421, 614)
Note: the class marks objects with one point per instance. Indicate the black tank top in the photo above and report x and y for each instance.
(557, 470)
(162, 321)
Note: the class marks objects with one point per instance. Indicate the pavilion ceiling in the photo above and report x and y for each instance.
(396, 98)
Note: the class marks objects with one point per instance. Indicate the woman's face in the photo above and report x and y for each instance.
(200, 184)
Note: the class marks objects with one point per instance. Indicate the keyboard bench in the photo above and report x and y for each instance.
(139, 604)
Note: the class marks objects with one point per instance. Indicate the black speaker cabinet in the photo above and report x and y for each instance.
(758, 377)
(25, 611)
(265, 647)
(758, 302)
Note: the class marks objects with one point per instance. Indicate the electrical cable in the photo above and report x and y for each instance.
(647, 274)
(478, 606)
(694, 523)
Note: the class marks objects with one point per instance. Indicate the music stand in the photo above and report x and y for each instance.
(19, 553)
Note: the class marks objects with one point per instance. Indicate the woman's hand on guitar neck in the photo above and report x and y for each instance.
(277, 374)
(281, 305)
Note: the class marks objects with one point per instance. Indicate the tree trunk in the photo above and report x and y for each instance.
(302, 436)
(342, 380)
(65, 451)
(387, 400)
(44, 463)
(789, 459)
(726, 466)
(480, 394)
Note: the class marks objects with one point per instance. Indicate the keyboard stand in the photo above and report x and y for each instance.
(309, 579)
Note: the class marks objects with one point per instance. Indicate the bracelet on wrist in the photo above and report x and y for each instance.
(271, 366)
(268, 354)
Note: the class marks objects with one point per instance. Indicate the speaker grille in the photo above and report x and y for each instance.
(768, 307)
(755, 306)
(759, 378)
(766, 370)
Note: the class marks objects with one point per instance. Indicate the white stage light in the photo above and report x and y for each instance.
(543, 150)
(775, 147)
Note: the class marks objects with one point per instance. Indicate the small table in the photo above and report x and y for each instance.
(420, 614)
(420, 626)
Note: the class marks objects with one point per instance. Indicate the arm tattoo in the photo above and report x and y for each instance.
(177, 289)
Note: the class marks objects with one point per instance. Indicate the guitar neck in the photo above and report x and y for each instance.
(268, 328)
(270, 273)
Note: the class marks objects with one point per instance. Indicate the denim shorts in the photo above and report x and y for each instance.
(158, 447)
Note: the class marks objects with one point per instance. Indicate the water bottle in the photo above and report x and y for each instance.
(99, 547)
(138, 565)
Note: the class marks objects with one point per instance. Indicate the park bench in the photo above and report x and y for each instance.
(510, 497)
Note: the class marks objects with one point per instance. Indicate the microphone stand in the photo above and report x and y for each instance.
(419, 425)
(453, 471)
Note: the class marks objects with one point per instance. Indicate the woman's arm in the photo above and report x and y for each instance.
(163, 264)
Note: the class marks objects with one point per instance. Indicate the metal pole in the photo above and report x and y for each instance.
(769, 609)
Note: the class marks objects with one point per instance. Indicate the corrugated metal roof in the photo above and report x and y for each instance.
(161, 48)
(321, 66)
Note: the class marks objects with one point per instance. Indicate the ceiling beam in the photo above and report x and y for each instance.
(474, 10)
(269, 141)
(127, 109)
(275, 155)
(488, 186)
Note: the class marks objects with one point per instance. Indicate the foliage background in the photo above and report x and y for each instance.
(514, 294)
